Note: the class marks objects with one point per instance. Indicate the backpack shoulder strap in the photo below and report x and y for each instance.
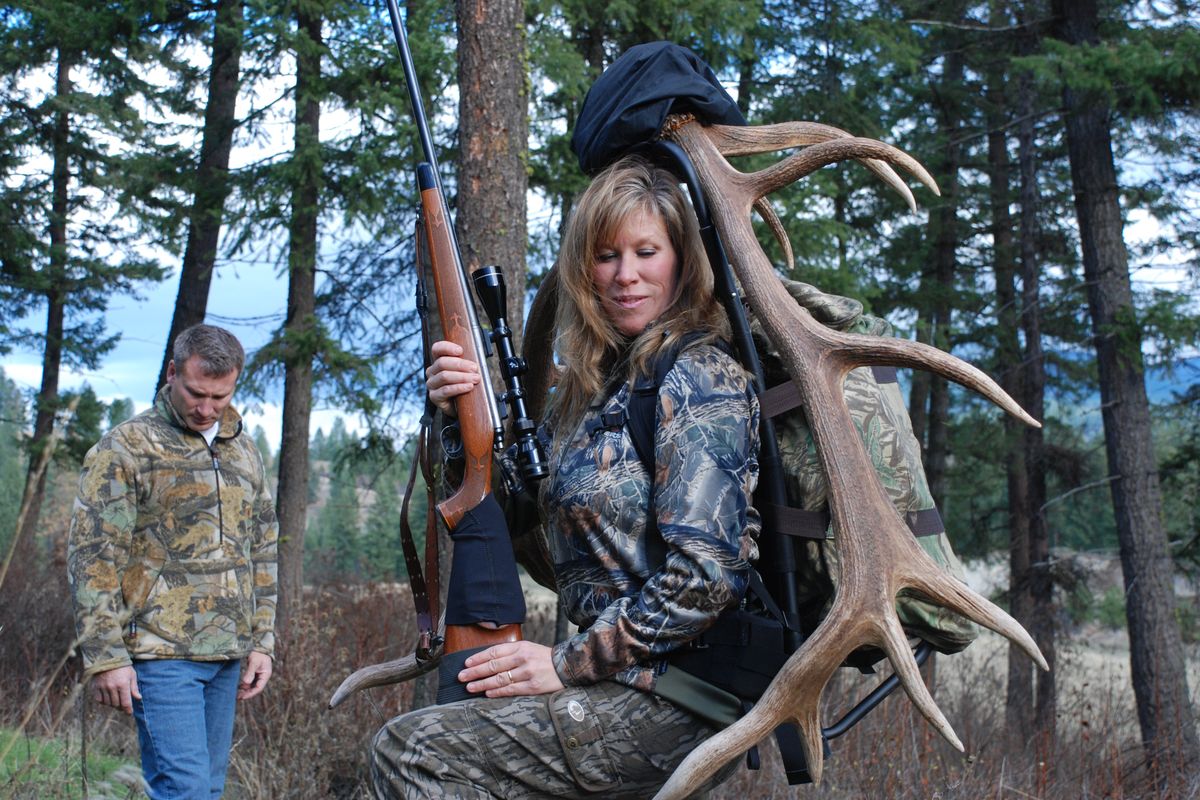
(641, 412)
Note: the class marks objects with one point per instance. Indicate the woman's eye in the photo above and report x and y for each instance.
(647, 253)
(606, 256)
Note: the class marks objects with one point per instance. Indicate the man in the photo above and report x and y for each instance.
(172, 565)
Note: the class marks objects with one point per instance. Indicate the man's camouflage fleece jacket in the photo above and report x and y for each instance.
(634, 606)
(172, 550)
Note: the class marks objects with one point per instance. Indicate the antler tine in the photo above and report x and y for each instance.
(956, 596)
(878, 556)
(858, 351)
(735, 140)
(763, 206)
(397, 671)
(895, 644)
(748, 140)
(810, 159)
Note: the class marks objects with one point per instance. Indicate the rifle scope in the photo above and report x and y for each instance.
(489, 286)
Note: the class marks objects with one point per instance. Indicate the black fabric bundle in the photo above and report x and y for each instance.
(627, 105)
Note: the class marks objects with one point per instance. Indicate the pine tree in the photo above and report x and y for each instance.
(72, 159)
(13, 421)
(211, 179)
(337, 525)
(493, 134)
(382, 556)
(1159, 679)
(264, 448)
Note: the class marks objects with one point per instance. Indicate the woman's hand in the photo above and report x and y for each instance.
(511, 669)
(449, 375)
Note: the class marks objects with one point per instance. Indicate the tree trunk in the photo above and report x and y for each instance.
(1043, 614)
(299, 329)
(944, 231)
(1019, 700)
(25, 548)
(212, 176)
(1159, 679)
(493, 136)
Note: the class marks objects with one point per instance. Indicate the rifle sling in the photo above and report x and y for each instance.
(423, 583)
(425, 596)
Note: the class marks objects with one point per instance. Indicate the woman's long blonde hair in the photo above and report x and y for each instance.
(588, 345)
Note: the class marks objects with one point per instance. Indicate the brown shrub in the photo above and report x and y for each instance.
(288, 744)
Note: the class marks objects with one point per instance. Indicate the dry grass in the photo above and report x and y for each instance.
(895, 753)
(289, 745)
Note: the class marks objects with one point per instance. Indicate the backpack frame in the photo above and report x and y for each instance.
(776, 592)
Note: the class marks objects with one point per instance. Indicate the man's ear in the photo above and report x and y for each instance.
(170, 372)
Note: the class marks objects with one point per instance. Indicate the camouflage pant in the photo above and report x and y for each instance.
(605, 740)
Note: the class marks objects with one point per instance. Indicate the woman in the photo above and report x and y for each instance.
(581, 719)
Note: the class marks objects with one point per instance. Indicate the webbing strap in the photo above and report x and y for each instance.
(798, 522)
(814, 524)
(424, 592)
(424, 583)
(784, 397)
(926, 522)
(791, 752)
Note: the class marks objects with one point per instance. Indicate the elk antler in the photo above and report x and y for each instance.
(401, 669)
(878, 555)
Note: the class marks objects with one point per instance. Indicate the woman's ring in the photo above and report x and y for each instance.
(510, 677)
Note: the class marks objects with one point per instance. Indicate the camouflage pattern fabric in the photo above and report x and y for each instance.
(635, 597)
(881, 417)
(172, 550)
(605, 740)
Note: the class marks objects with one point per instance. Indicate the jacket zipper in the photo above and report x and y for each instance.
(216, 462)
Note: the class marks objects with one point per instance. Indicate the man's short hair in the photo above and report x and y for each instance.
(219, 351)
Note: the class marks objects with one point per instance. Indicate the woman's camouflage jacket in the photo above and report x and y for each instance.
(638, 594)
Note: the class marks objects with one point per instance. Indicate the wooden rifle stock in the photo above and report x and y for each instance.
(478, 418)
(475, 408)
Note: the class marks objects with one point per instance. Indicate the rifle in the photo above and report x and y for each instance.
(484, 607)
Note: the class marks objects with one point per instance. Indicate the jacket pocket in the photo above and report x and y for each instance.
(581, 737)
(197, 608)
(137, 583)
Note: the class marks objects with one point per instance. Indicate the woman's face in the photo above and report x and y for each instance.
(635, 274)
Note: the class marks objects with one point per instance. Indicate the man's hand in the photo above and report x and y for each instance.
(117, 688)
(255, 675)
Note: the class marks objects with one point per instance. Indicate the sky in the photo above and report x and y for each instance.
(248, 300)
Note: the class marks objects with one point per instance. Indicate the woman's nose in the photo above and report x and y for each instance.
(626, 272)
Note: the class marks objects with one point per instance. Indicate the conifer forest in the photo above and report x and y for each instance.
(151, 149)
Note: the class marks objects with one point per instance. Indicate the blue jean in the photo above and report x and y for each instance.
(185, 725)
